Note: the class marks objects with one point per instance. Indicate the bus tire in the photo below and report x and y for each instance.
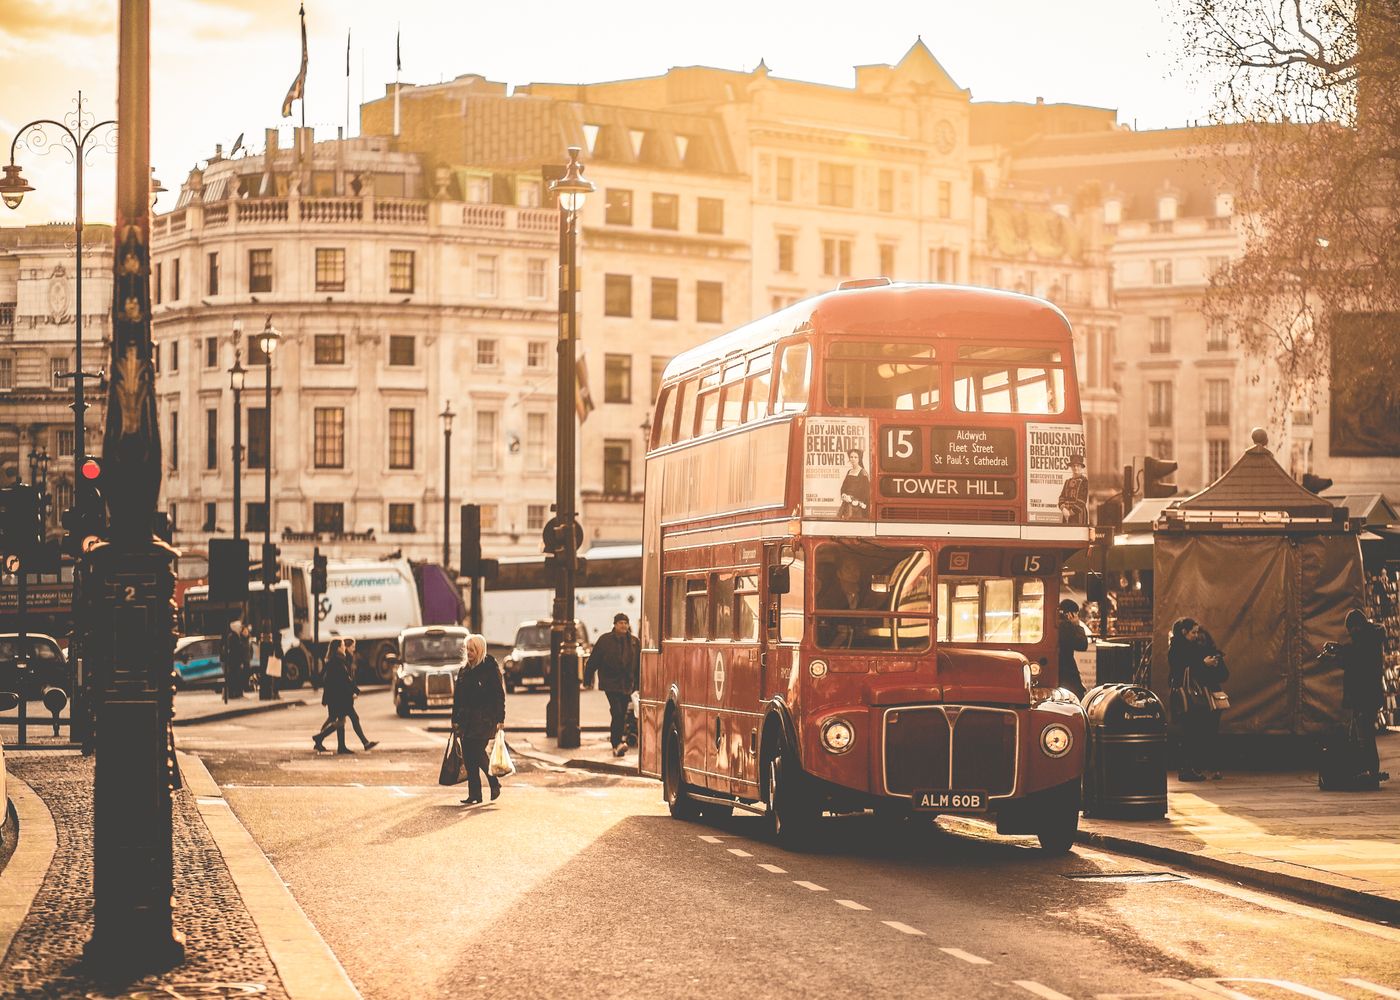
(1058, 821)
(294, 668)
(678, 802)
(382, 663)
(791, 809)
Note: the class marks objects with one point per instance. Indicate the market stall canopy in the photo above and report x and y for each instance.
(1372, 508)
(1255, 490)
(1145, 513)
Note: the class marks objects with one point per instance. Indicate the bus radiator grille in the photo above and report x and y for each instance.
(919, 747)
(955, 514)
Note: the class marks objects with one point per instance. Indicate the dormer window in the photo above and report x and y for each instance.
(1113, 211)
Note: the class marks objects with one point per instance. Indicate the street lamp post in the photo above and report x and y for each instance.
(267, 343)
(447, 416)
(236, 377)
(572, 189)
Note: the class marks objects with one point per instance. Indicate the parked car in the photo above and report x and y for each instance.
(429, 658)
(197, 659)
(48, 667)
(527, 664)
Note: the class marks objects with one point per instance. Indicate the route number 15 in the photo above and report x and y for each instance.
(901, 449)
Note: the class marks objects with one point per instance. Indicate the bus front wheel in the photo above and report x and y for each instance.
(1058, 821)
(681, 805)
(791, 810)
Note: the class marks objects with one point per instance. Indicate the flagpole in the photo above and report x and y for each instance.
(398, 66)
(347, 83)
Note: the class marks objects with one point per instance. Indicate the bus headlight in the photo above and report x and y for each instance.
(1056, 740)
(838, 735)
(817, 668)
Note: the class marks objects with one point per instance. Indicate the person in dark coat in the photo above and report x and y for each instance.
(338, 695)
(352, 716)
(1073, 639)
(616, 660)
(1363, 667)
(478, 714)
(1191, 648)
(233, 655)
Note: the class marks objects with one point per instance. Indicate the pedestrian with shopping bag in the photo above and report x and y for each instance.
(478, 714)
(1198, 698)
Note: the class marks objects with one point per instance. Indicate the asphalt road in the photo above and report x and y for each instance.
(576, 882)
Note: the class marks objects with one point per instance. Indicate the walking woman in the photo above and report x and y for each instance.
(1197, 670)
(478, 712)
(338, 695)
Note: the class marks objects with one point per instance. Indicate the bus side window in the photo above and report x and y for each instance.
(760, 378)
(685, 417)
(661, 434)
(792, 611)
(746, 607)
(722, 594)
(675, 607)
(697, 608)
(794, 377)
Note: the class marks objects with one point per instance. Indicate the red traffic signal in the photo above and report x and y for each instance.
(90, 469)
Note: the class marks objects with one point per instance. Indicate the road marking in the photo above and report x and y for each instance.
(709, 840)
(774, 869)
(851, 904)
(810, 885)
(1031, 986)
(1391, 934)
(903, 928)
(739, 854)
(966, 956)
(1384, 991)
(397, 790)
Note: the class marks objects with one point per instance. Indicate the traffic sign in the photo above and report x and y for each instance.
(555, 541)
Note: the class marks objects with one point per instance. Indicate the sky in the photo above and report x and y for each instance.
(221, 67)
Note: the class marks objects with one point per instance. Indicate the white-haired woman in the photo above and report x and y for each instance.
(478, 712)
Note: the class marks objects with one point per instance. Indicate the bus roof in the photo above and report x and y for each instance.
(882, 310)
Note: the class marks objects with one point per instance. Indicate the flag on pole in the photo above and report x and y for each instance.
(398, 58)
(398, 66)
(297, 91)
(347, 52)
(583, 398)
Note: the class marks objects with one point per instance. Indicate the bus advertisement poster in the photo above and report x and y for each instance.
(1057, 490)
(836, 468)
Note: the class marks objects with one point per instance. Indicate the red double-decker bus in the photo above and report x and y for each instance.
(856, 513)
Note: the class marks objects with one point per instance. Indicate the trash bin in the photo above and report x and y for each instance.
(1113, 663)
(1125, 767)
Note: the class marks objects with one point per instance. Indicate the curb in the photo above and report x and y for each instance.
(521, 729)
(237, 713)
(304, 962)
(577, 763)
(1357, 902)
(24, 874)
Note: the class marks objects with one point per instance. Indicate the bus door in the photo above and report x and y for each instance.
(737, 676)
(783, 619)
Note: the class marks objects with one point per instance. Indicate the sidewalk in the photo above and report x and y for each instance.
(196, 705)
(241, 924)
(1273, 830)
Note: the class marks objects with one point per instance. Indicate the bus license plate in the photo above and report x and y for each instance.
(952, 800)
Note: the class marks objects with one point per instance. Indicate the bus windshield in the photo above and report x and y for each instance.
(872, 597)
(996, 609)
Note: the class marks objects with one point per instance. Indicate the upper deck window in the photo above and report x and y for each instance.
(760, 379)
(867, 375)
(731, 407)
(794, 378)
(685, 423)
(996, 379)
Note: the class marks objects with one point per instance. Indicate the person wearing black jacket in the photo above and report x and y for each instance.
(478, 714)
(338, 695)
(1073, 639)
(1363, 667)
(1191, 649)
(616, 660)
(233, 655)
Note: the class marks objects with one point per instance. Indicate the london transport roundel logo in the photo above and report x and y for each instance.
(719, 675)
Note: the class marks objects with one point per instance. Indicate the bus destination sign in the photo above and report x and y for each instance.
(981, 451)
(948, 487)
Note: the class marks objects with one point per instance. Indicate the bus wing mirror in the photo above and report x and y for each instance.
(779, 581)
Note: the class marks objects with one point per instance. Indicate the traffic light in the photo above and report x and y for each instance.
(471, 540)
(228, 570)
(1316, 484)
(318, 573)
(21, 521)
(1155, 473)
(271, 555)
(1110, 512)
(85, 523)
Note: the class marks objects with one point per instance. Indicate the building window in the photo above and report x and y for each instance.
(330, 270)
(617, 295)
(886, 197)
(710, 215)
(254, 518)
(485, 444)
(1217, 335)
(213, 274)
(836, 257)
(709, 301)
(329, 349)
(328, 438)
(1159, 404)
(535, 515)
(945, 199)
(835, 184)
(785, 178)
(665, 211)
(488, 353)
(787, 244)
(174, 439)
(490, 519)
(537, 442)
(617, 467)
(174, 355)
(401, 439)
(158, 282)
(618, 207)
(1161, 341)
(211, 517)
(7, 373)
(260, 270)
(1161, 272)
(1218, 458)
(175, 280)
(211, 352)
(486, 276)
(665, 298)
(256, 357)
(887, 259)
(258, 443)
(403, 349)
(537, 355)
(211, 439)
(328, 518)
(617, 378)
(57, 368)
(401, 519)
(402, 279)
(1217, 402)
(66, 437)
(536, 278)
(658, 372)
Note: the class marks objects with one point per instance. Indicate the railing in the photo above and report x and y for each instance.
(1217, 418)
(1159, 418)
(331, 210)
(401, 211)
(543, 220)
(489, 216)
(262, 210)
(7, 314)
(216, 215)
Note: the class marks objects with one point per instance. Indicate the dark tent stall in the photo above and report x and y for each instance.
(1270, 570)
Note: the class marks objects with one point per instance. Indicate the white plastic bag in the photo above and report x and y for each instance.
(501, 766)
